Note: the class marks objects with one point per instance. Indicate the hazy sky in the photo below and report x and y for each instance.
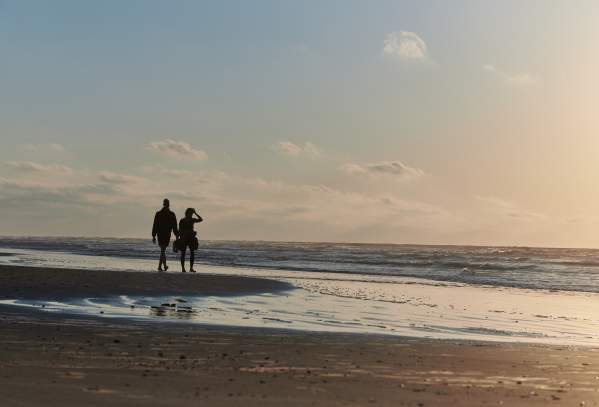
(462, 122)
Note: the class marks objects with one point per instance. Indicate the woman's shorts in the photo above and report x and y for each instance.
(192, 243)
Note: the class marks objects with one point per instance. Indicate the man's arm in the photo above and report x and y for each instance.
(199, 219)
(175, 228)
(155, 227)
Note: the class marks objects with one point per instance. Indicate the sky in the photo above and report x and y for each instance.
(432, 122)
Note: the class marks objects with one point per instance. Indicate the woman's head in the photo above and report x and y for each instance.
(189, 212)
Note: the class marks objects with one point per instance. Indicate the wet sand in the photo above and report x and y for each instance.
(61, 360)
(49, 283)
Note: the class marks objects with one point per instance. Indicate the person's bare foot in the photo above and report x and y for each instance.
(160, 269)
(192, 271)
(184, 271)
(165, 267)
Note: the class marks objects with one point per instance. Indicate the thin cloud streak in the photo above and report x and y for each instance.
(504, 208)
(119, 179)
(178, 149)
(43, 148)
(30, 166)
(385, 168)
(291, 149)
(518, 80)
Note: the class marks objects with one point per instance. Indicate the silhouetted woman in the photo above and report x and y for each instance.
(188, 237)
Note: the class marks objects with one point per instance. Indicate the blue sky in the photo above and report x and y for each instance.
(394, 121)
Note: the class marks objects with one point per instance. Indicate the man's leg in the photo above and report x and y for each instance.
(160, 260)
(163, 257)
(192, 256)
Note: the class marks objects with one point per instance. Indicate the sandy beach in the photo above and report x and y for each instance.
(61, 361)
(81, 360)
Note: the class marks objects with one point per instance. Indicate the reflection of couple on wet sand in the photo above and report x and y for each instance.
(165, 223)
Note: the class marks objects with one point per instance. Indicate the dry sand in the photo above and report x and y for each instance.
(59, 360)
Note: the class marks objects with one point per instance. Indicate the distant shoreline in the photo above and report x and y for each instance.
(338, 242)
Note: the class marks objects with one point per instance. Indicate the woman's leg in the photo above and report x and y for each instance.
(192, 256)
(183, 250)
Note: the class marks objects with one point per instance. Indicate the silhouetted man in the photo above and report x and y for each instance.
(165, 222)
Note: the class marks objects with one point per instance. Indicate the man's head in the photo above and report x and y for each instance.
(166, 203)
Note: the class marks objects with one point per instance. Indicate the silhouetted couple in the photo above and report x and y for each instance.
(165, 223)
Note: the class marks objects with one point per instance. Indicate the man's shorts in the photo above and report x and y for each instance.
(164, 241)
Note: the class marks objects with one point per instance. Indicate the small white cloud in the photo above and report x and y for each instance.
(405, 44)
(519, 79)
(292, 149)
(43, 148)
(178, 149)
(119, 179)
(29, 166)
(385, 168)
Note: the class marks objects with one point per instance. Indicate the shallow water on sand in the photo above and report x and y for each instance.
(347, 303)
